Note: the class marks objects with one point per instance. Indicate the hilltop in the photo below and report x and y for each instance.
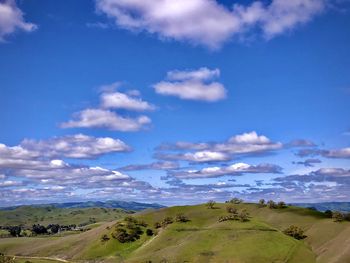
(134, 206)
(200, 239)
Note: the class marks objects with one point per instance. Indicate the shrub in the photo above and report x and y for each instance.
(157, 225)
(15, 231)
(231, 209)
(337, 216)
(39, 229)
(262, 203)
(235, 200)
(104, 238)
(295, 232)
(328, 213)
(167, 221)
(271, 204)
(149, 232)
(181, 218)
(281, 204)
(243, 215)
(210, 204)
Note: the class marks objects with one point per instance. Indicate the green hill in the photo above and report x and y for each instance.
(29, 215)
(202, 239)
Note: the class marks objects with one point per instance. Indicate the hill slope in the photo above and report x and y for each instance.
(203, 239)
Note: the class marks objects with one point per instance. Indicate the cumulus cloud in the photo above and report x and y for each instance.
(207, 22)
(75, 146)
(192, 85)
(119, 100)
(234, 169)
(99, 118)
(31, 152)
(12, 19)
(243, 144)
(104, 116)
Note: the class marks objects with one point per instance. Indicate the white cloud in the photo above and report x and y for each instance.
(207, 22)
(192, 85)
(247, 143)
(75, 146)
(234, 169)
(98, 118)
(11, 19)
(338, 153)
(10, 183)
(118, 100)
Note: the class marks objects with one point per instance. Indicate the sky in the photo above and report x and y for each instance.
(174, 101)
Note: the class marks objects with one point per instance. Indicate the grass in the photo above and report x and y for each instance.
(28, 215)
(203, 239)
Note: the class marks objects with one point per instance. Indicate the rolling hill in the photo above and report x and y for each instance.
(202, 239)
(134, 206)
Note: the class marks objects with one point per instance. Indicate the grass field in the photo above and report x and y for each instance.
(203, 239)
(28, 215)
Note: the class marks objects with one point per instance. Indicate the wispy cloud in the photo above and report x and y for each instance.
(12, 19)
(233, 169)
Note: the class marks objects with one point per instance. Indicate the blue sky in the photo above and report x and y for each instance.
(174, 101)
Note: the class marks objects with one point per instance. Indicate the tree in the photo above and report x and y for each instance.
(262, 203)
(210, 204)
(181, 218)
(271, 204)
(39, 229)
(328, 213)
(337, 216)
(149, 232)
(294, 231)
(157, 225)
(281, 204)
(231, 209)
(243, 215)
(235, 200)
(167, 221)
(15, 231)
(54, 228)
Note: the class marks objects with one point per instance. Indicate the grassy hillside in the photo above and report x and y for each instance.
(202, 239)
(29, 215)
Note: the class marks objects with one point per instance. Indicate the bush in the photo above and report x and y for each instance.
(295, 232)
(243, 215)
(39, 229)
(167, 221)
(210, 204)
(235, 200)
(157, 225)
(281, 204)
(104, 238)
(262, 203)
(337, 216)
(271, 204)
(149, 232)
(15, 231)
(328, 213)
(231, 209)
(181, 218)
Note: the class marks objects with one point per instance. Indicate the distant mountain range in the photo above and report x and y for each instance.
(334, 206)
(135, 206)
